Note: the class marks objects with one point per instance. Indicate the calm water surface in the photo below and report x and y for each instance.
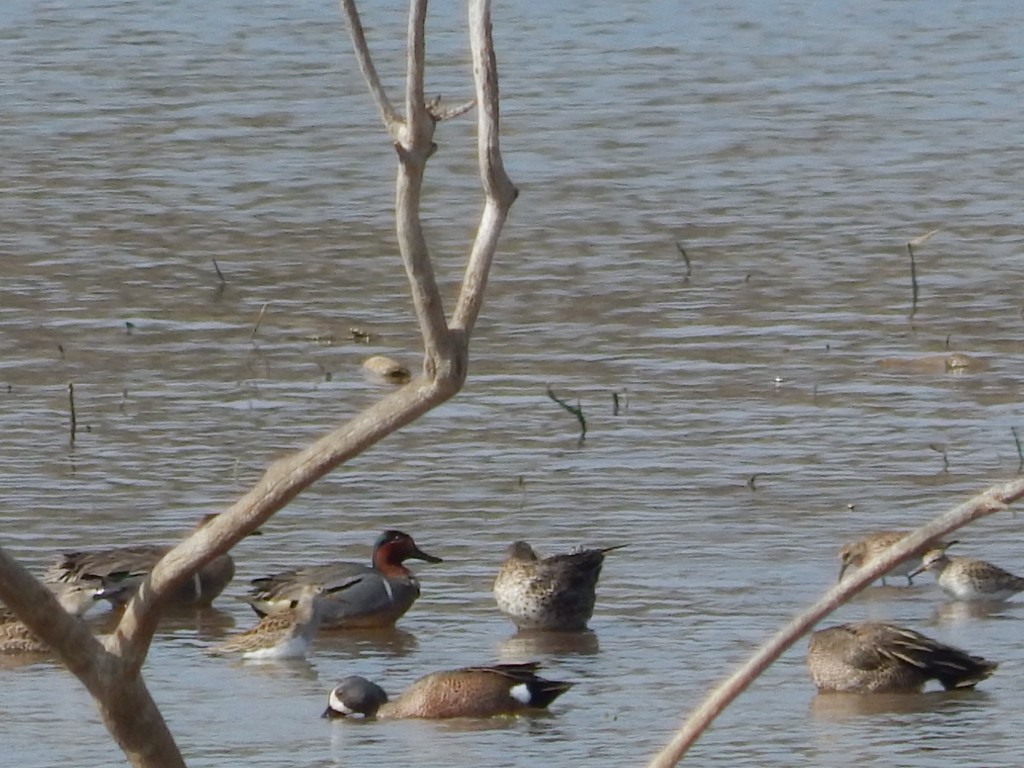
(793, 149)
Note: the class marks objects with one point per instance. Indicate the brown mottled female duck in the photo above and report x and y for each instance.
(872, 657)
(553, 593)
(120, 570)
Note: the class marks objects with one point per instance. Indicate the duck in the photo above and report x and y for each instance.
(16, 637)
(489, 691)
(285, 634)
(553, 593)
(969, 579)
(382, 591)
(874, 657)
(120, 570)
(855, 554)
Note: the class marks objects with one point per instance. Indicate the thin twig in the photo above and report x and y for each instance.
(74, 419)
(220, 275)
(686, 258)
(448, 113)
(256, 328)
(941, 450)
(392, 120)
(1020, 452)
(920, 240)
(913, 281)
(575, 410)
(992, 500)
(620, 402)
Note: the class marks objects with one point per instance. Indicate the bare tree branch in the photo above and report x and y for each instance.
(419, 121)
(415, 146)
(392, 120)
(112, 670)
(499, 191)
(124, 703)
(447, 113)
(284, 479)
(37, 607)
(992, 500)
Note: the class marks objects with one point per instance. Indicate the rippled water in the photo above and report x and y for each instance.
(772, 398)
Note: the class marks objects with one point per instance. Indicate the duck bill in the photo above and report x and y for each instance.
(419, 554)
(332, 714)
(917, 572)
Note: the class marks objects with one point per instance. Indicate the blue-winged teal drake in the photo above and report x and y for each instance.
(284, 634)
(854, 554)
(556, 593)
(503, 689)
(381, 592)
(120, 570)
(964, 578)
(882, 658)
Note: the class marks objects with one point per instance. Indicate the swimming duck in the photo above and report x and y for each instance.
(120, 570)
(502, 689)
(381, 592)
(554, 593)
(872, 657)
(16, 637)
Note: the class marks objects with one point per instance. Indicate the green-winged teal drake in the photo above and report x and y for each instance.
(854, 554)
(381, 592)
(284, 634)
(964, 578)
(119, 571)
(502, 689)
(872, 657)
(554, 593)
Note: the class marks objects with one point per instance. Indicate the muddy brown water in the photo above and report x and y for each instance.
(792, 150)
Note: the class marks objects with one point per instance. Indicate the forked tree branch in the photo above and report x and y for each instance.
(112, 670)
(392, 120)
(284, 479)
(499, 192)
(699, 720)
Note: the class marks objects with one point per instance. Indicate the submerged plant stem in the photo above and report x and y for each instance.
(575, 410)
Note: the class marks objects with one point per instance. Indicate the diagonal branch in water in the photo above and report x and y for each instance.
(112, 671)
(995, 499)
